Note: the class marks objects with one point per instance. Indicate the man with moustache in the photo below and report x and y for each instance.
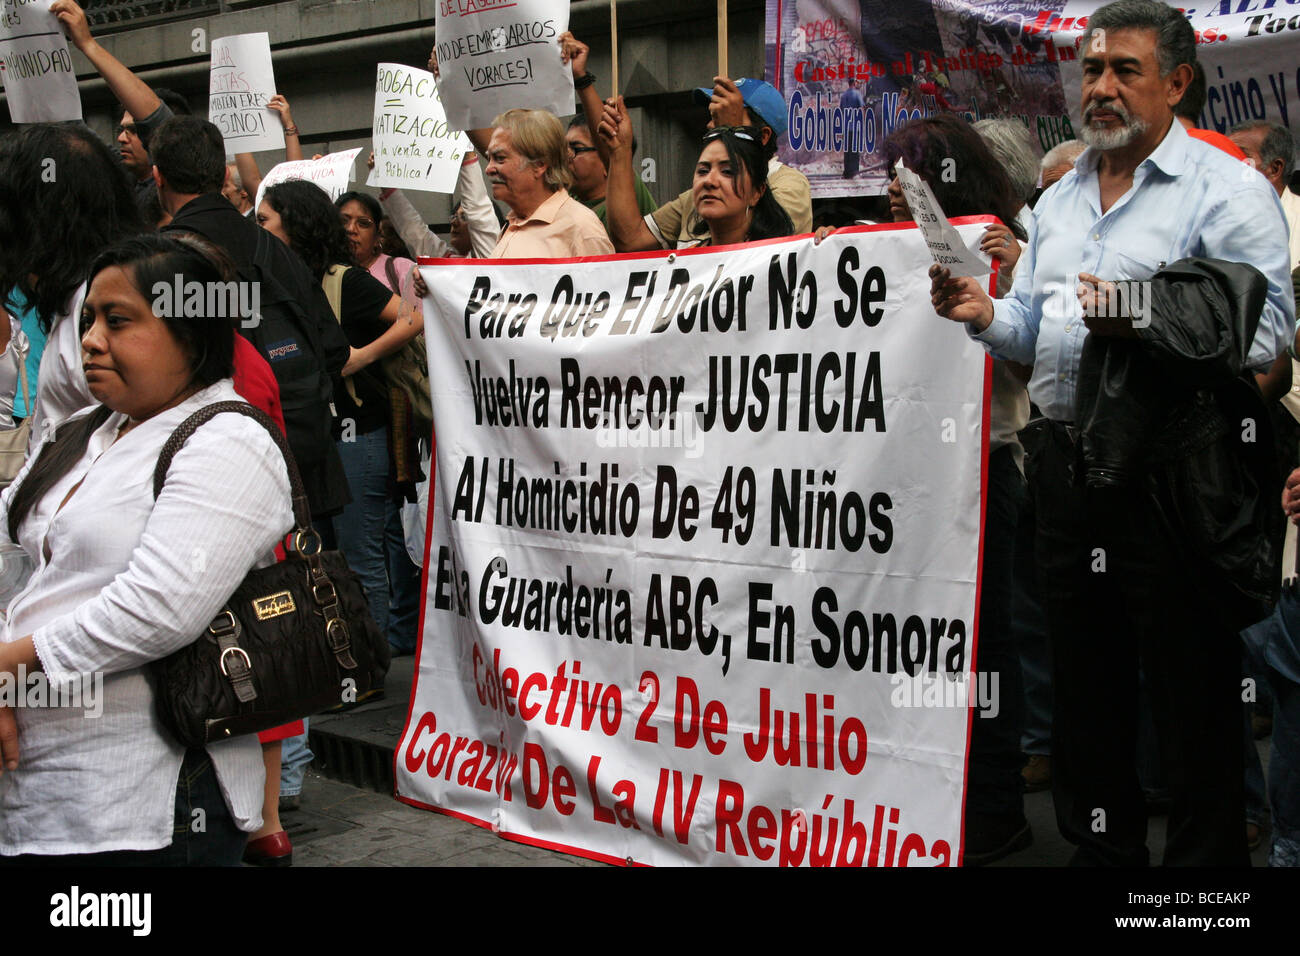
(529, 172)
(1123, 578)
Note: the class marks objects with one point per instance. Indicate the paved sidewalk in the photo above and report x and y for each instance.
(343, 825)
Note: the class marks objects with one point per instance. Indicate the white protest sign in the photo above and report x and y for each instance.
(39, 80)
(415, 147)
(239, 87)
(703, 553)
(331, 173)
(945, 245)
(494, 55)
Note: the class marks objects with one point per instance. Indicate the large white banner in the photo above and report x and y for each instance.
(415, 146)
(702, 555)
(240, 84)
(39, 79)
(494, 55)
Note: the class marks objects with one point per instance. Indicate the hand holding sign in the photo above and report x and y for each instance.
(960, 298)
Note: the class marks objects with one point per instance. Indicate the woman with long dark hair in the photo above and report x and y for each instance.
(123, 578)
(377, 324)
(729, 188)
(363, 221)
(64, 198)
(967, 180)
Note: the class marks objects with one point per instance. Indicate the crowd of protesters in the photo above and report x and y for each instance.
(1122, 691)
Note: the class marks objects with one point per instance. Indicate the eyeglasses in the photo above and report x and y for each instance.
(359, 223)
(575, 150)
(125, 128)
(740, 132)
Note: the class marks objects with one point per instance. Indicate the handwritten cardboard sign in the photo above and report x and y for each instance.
(494, 55)
(415, 146)
(240, 85)
(39, 80)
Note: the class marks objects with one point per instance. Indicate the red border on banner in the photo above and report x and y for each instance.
(428, 532)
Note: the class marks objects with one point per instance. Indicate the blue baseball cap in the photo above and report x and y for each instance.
(762, 99)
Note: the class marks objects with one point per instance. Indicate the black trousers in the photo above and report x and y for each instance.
(1122, 589)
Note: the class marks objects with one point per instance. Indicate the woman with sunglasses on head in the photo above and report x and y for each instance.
(729, 188)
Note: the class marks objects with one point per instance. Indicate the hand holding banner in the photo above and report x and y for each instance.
(497, 54)
(415, 147)
(39, 80)
(240, 85)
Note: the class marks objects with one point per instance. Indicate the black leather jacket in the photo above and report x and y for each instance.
(1176, 408)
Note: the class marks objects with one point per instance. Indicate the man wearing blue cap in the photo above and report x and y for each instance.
(745, 102)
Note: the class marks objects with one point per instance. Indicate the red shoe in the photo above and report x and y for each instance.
(271, 850)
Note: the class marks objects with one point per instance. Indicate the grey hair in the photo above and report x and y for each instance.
(1277, 144)
(1013, 147)
(1062, 154)
(1175, 38)
(234, 175)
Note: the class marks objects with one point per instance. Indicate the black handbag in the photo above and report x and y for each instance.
(294, 639)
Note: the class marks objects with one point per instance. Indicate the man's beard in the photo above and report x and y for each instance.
(1114, 137)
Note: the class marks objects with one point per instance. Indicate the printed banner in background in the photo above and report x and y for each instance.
(240, 85)
(495, 55)
(415, 147)
(701, 579)
(984, 59)
(331, 173)
(39, 79)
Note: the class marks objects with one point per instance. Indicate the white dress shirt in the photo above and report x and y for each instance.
(130, 580)
(1188, 198)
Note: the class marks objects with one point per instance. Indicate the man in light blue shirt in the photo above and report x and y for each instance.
(1124, 581)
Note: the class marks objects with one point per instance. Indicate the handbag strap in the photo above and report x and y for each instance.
(21, 353)
(301, 512)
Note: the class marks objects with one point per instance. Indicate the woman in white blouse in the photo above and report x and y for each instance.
(123, 579)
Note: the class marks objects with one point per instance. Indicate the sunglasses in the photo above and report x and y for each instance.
(740, 132)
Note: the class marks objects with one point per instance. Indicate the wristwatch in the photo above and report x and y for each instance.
(584, 81)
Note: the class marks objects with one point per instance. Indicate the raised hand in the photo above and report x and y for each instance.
(574, 52)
